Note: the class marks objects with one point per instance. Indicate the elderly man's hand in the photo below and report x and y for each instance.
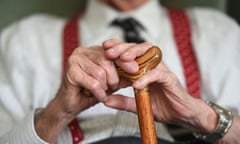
(170, 101)
(87, 69)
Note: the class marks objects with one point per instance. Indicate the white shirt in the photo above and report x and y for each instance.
(31, 64)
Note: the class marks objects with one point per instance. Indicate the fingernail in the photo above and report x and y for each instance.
(108, 43)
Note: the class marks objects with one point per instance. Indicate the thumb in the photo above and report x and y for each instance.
(110, 43)
(121, 102)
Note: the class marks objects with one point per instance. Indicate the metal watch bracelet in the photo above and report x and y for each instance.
(225, 122)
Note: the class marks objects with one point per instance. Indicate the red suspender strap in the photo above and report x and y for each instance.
(76, 132)
(70, 38)
(70, 42)
(182, 34)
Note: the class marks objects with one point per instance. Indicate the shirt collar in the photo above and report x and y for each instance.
(149, 16)
(98, 15)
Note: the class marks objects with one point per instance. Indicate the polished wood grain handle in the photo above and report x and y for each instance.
(146, 62)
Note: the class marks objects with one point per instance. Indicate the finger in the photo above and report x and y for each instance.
(110, 43)
(111, 73)
(127, 59)
(130, 67)
(159, 74)
(80, 62)
(95, 88)
(135, 51)
(122, 103)
(79, 78)
(123, 83)
(116, 50)
(94, 70)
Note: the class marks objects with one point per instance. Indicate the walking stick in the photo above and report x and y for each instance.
(146, 62)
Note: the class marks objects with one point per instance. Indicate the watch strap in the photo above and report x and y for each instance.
(225, 122)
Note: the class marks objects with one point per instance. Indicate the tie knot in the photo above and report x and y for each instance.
(131, 29)
(127, 23)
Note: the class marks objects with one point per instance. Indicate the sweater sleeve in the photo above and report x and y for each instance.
(23, 132)
(28, 75)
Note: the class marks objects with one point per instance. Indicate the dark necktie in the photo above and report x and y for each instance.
(130, 28)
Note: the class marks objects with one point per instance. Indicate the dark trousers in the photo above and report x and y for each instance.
(136, 140)
(127, 140)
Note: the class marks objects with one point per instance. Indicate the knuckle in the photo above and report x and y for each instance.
(114, 81)
(73, 76)
(119, 46)
(95, 90)
(173, 76)
(78, 50)
(172, 79)
(105, 62)
(72, 59)
(95, 86)
(99, 72)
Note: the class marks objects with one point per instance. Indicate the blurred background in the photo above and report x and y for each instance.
(13, 10)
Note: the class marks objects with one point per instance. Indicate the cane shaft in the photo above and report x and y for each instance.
(145, 117)
(145, 62)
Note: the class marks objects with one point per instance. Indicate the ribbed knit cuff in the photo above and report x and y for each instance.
(24, 132)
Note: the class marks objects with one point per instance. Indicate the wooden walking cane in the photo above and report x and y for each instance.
(146, 62)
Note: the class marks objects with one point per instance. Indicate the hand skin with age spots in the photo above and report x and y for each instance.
(170, 101)
(86, 68)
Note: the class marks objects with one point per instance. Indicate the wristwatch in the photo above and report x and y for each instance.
(225, 122)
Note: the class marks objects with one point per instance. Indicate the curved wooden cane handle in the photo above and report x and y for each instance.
(146, 62)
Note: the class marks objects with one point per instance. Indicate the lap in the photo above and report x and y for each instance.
(127, 140)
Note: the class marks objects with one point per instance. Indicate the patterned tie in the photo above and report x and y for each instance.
(130, 28)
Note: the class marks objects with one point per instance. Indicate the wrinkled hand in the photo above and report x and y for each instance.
(170, 101)
(89, 69)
